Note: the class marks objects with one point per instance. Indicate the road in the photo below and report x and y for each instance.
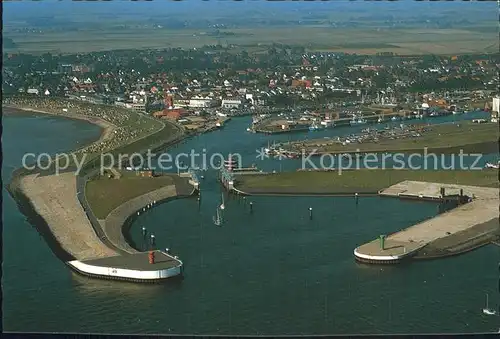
(81, 182)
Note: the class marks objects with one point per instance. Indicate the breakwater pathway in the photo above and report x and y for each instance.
(271, 272)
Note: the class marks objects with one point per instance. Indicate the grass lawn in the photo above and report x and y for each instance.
(443, 138)
(360, 181)
(104, 195)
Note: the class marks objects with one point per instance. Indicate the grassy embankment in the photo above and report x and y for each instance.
(444, 138)
(163, 137)
(104, 195)
(151, 133)
(134, 121)
(357, 181)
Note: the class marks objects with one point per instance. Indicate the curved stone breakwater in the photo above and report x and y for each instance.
(115, 224)
(51, 203)
(462, 229)
(57, 207)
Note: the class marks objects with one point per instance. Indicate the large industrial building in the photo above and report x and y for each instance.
(203, 102)
(495, 108)
(231, 103)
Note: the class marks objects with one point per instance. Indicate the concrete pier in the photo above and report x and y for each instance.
(132, 267)
(482, 210)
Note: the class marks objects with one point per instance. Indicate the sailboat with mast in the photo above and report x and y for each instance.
(270, 150)
(487, 310)
(217, 218)
(222, 206)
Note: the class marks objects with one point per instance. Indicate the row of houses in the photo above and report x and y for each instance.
(198, 102)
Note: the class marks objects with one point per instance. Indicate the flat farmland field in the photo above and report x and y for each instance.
(362, 41)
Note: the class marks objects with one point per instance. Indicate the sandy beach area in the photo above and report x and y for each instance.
(106, 126)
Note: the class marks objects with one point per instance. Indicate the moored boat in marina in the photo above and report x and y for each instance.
(359, 121)
(231, 163)
(327, 123)
(490, 165)
(314, 126)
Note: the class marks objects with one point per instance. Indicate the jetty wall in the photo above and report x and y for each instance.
(115, 223)
(125, 274)
(456, 231)
(52, 223)
(290, 191)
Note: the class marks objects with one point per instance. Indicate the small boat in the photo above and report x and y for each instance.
(222, 206)
(231, 163)
(487, 310)
(271, 150)
(479, 121)
(394, 118)
(490, 165)
(314, 127)
(327, 123)
(357, 122)
(217, 219)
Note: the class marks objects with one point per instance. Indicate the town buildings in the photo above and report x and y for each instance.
(231, 103)
(219, 80)
(202, 102)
